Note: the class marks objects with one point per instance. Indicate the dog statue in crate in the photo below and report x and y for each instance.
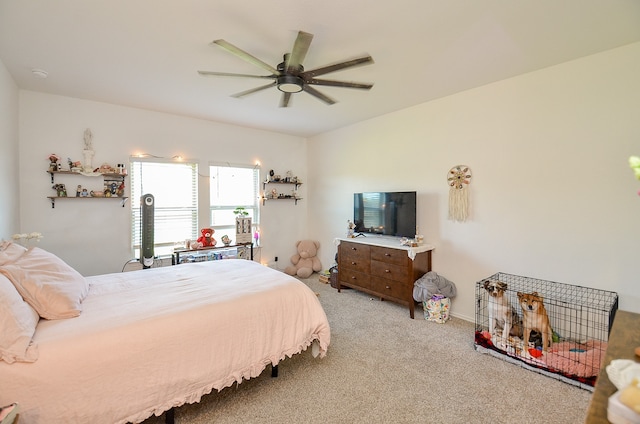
(502, 315)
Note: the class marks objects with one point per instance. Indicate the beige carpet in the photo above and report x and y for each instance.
(383, 367)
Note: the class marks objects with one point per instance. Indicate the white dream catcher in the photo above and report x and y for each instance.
(459, 178)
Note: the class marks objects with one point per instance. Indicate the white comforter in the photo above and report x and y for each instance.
(153, 339)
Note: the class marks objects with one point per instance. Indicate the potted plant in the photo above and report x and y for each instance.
(240, 212)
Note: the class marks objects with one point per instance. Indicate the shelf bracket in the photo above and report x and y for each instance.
(53, 203)
(123, 201)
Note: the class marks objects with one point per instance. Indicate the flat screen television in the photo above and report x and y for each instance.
(385, 213)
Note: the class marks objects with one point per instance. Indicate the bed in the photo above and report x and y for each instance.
(144, 342)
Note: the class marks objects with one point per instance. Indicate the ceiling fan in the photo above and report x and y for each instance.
(289, 76)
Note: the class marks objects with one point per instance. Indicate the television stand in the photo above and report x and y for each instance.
(382, 267)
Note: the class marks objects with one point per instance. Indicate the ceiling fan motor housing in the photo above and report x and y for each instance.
(289, 76)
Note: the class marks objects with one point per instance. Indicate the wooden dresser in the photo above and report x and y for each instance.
(382, 267)
(623, 339)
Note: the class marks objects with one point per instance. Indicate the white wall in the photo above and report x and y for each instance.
(94, 236)
(552, 195)
(9, 194)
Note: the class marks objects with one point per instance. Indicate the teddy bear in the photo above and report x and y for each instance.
(206, 239)
(305, 262)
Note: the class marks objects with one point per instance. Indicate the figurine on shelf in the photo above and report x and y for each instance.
(74, 166)
(53, 162)
(226, 240)
(105, 168)
(120, 190)
(78, 190)
(61, 190)
(88, 150)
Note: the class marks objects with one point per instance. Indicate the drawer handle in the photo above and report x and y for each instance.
(353, 248)
(353, 263)
(353, 277)
(387, 271)
(388, 287)
(387, 254)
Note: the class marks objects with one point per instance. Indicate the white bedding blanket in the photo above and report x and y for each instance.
(153, 339)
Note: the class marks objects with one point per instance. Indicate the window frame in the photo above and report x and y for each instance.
(253, 208)
(164, 247)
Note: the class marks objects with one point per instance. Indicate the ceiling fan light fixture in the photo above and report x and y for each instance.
(290, 84)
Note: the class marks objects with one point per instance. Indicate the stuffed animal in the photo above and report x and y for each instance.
(305, 262)
(206, 239)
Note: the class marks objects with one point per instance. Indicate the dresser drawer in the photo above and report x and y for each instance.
(354, 251)
(354, 257)
(351, 277)
(391, 288)
(388, 255)
(389, 271)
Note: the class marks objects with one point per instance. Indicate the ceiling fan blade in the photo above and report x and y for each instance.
(328, 100)
(284, 100)
(365, 60)
(229, 74)
(346, 84)
(253, 90)
(246, 56)
(299, 52)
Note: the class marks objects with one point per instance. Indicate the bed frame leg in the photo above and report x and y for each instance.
(274, 371)
(169, 416)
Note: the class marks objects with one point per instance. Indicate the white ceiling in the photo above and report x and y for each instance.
(145, 53)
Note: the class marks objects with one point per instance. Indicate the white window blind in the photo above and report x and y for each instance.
(174, 186)
(230, 187)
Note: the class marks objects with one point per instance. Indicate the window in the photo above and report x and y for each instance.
(174, 186)
(232, 187)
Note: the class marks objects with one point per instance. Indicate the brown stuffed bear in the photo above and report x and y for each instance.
(305, 262)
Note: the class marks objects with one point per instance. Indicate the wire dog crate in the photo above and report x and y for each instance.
(580, 319)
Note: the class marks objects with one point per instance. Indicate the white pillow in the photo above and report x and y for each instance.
(48, 284)
(18, 321)
(9, 252)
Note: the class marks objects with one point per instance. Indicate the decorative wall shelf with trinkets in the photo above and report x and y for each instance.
(113, 187)
(274, 180)
(274, 195)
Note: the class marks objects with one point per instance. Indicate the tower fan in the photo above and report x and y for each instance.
(147, 224)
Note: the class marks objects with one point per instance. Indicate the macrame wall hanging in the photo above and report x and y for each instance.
(459, 178)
